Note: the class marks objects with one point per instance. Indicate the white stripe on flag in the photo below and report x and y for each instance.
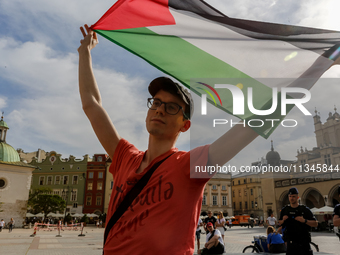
(256, 58)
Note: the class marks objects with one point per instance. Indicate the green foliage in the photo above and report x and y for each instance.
(41, 200)
(68, 218)
(85, 219)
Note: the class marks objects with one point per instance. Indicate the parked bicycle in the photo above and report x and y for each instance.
(260, 245)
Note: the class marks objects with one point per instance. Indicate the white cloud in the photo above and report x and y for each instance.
(3, 103)
(39, 52)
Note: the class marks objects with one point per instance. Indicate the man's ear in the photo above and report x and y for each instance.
(186, 126)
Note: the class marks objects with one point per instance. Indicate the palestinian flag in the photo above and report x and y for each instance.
(193, 42)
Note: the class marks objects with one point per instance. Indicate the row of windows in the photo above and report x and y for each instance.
(90, 175)
(223, 187)
(245, 205)
(224, 200)
(62, 168)
(327, 160)
(244, 181)
(90, 186)
(245, 192)
(57, 180)
(89, 200)
(67, 195)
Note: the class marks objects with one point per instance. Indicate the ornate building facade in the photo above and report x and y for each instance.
(15, 181)
(217, 195)
(65, 176)
(95, 184)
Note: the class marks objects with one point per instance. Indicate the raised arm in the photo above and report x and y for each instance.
(229, 144)
(90, 95)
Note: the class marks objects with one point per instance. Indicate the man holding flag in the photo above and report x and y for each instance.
(154, 205)
(151, 222)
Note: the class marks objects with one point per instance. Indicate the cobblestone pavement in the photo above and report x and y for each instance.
(19, 241)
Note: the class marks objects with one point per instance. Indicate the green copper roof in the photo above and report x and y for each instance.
(3, 123)
(8, 153)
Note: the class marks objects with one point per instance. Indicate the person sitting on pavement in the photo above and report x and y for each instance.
(274, 241)
(214, 243)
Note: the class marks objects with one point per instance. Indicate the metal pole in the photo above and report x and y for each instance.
(82, 227)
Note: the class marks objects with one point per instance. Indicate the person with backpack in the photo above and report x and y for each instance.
(297, 221)
(214, 243)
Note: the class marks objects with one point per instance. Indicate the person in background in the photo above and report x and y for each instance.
(214, 243)
(208, 219)
(2, 224)
(220, 224)
(271, 221)
(297, 221)
(336, 213)
(198, 232)
(274, 241)
(11, 225)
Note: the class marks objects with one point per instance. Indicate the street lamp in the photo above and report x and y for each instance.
(65, 195)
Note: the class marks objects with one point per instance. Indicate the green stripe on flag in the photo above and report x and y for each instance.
(170, 55)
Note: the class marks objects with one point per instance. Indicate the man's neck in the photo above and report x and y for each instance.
(294, 205)
(157, 147)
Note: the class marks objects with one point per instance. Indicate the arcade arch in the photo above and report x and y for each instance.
(312, 198)
(333, 198)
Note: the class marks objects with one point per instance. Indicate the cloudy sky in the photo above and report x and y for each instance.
(38, 76)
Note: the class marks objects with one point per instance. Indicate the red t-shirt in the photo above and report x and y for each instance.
(163, 218)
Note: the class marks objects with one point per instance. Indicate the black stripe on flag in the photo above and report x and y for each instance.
(321, 41)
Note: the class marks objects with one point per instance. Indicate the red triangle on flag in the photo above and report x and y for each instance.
(126, 14)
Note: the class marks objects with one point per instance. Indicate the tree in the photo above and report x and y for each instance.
(41, 200)
(85, 219)
(68, 218)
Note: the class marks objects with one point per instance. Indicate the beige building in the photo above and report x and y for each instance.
(254, 193)
(15, 181)
(38, 155)
(318, 169)
(247, 195)
(315, 173)
(217, 195)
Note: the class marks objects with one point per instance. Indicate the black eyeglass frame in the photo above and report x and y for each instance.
(149, 104)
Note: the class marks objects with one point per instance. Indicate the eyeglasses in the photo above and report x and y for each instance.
(170, 108)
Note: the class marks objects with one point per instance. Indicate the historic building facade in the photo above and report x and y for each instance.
(95, 184)
(318, 169)
(15, 181)
(247, 195)
(254, 194)
(65, 176)
(217, 195)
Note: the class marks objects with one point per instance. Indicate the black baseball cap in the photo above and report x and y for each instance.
(293, 191)
(166, 84)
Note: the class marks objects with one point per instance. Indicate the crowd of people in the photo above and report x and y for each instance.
(10, 224)
(291, 237)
